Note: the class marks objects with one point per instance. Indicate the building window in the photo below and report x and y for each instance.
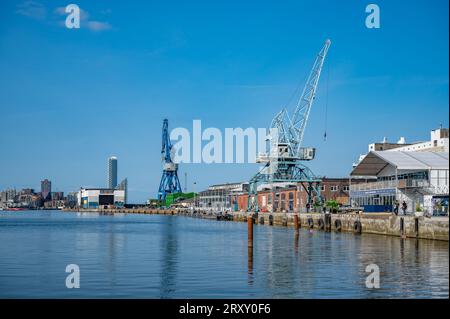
(291, 201)
(322, 188)
(334, 188)
(346, 188)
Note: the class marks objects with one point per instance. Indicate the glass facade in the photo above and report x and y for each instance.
(112, 172)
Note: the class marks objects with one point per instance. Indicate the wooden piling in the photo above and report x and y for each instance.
(250, 260)
(250, 230)
(296, 222)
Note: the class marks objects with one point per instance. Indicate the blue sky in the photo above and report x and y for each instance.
(71, 98)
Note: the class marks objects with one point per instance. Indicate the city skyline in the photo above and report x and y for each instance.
(140, 68)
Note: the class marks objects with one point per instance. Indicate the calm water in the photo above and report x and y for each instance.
(153, 256)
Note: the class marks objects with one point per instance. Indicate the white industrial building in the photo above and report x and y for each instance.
(439, 142)
(421, 179)
(100, 197)
(221, 197)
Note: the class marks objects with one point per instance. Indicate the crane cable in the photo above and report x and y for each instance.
(295, 93)
(326, 104)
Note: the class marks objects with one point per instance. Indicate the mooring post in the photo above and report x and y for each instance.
(296, 222)
(250, 260)
(250, 230)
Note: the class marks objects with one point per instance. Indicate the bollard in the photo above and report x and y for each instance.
(296, 222)
(250, 231)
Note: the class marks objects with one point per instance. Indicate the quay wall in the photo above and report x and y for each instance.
(436, 228)
(371, 223)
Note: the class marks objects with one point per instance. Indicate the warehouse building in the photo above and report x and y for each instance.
(420, 179)
(438, 142)
(101, 197)
(221, 197)
(293, 198)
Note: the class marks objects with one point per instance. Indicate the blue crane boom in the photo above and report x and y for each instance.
(169, 180)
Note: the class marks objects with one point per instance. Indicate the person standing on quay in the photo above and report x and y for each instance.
(396, 207)
(404, 207)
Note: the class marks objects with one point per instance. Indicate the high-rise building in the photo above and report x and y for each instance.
(112, 172)
(46, 189)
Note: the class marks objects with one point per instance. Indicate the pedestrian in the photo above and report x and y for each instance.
(404, 207)
(307, 207)
(396, 207)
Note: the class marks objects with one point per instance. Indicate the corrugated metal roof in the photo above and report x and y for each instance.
(375, 162)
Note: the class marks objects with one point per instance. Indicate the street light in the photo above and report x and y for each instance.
(195, 199)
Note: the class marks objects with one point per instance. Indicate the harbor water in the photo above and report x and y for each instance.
(161, 256)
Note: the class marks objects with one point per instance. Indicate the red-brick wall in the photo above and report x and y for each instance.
(332, 189)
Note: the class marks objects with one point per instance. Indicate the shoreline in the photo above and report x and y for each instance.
(435, 228)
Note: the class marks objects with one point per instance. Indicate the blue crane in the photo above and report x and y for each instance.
(169, 181)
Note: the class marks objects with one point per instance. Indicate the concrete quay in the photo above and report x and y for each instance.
(435, 228)
(371, 223)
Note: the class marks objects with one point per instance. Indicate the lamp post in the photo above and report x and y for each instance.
(195, 195)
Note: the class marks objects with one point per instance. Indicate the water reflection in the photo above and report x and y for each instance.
(250, 264)
(169, 243)
(179, 257)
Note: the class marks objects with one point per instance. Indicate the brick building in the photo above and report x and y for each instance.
(294, 198)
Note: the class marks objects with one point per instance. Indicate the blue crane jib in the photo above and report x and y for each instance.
(169, 180)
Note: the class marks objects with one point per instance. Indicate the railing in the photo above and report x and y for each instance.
(403, 183)
(407, 183)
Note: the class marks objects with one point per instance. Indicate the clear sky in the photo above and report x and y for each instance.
(71, 98)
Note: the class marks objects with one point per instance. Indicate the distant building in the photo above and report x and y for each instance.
(439, 142)
(98, 197)
(57, 195)
(46, 190)
(28, 199)
(124, 186)
(8, 195)
(26, 191)
(112, 172)
(71, 199)
(221, 197)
